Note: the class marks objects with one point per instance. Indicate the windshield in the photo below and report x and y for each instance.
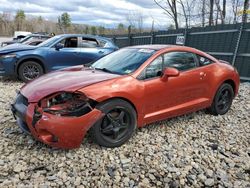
(49, 42)
(25, 38)
(123, 61)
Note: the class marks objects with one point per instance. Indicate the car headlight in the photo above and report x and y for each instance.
(67, 104)
(9, 56)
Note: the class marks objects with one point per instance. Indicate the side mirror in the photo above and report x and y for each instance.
(169, 72)
(59, 46)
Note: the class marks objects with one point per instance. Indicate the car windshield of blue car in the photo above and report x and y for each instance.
(25, 38)
(123, 61)
(49, 42)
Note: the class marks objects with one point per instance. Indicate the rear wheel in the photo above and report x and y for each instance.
(117, 125)
(222, 100)
(30, 70)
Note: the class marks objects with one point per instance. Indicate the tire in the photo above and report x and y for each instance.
(223, 100)
(30, 70)
(117, 126)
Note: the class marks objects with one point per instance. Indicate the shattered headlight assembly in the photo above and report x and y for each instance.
(67, 104)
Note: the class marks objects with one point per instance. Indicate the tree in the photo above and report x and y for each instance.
(93, 30)
(7, 26)
(187, 8)
(40, 24)
(171, 27)
(64, 21)
(19, 19)
(246, 6)
(211, 12)
(121, 28)
(235, 6)
(101, 30)
(170, 9)
(203, 13)
(224, 10)
(221, 12)
(40, 19)
(86, 30)
(135, 20)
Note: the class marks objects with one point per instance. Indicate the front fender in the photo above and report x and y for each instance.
(127, 88)
(22, 59)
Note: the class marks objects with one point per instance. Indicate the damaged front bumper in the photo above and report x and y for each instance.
(53, 130)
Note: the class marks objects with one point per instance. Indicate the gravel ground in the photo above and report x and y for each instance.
(195, 150)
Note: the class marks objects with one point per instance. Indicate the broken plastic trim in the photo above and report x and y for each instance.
(67, 104)
(36, 117)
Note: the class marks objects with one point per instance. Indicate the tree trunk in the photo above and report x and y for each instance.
(203, 13)
(246, 6)
(184, 13)
(235, 6)
(217, 17)
(211, 12)
(224, 9)
(175, 14)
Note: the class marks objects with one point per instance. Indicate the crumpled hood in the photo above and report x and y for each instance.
(16, 48)
(69, 79)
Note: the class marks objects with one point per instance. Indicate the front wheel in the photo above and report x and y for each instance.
(117, 125)
(223, 100)
(29, 70)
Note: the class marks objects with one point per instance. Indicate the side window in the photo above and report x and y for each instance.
(154, 69)
(69, 42)
(102, 43)
(35, 43)
(182, 61)
(89, 43)
(204, 61)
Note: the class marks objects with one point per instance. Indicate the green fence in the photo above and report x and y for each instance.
(227, 42)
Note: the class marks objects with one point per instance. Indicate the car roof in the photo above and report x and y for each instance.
(158, 47)
(153, 46)
(37, 35)
(84, 35)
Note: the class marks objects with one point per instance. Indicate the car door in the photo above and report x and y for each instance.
(177, 95)
(92, 49)
(206, 71)
(68, 55)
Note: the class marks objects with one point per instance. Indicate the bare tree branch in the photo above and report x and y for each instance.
(172, 13)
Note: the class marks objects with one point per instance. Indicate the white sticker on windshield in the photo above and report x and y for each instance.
(202, 59)
(149, 51)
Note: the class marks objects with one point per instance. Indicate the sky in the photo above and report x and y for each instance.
(108, 13)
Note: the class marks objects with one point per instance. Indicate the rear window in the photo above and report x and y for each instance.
(204, 61)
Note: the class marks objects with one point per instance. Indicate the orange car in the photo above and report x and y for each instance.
(129, 88)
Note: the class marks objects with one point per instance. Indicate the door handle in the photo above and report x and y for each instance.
(202, 75)
(101, 52)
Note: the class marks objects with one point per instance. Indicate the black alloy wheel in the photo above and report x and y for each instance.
(117, 125)
(223, 100)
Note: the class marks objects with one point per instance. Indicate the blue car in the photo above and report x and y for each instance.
(29, 62)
